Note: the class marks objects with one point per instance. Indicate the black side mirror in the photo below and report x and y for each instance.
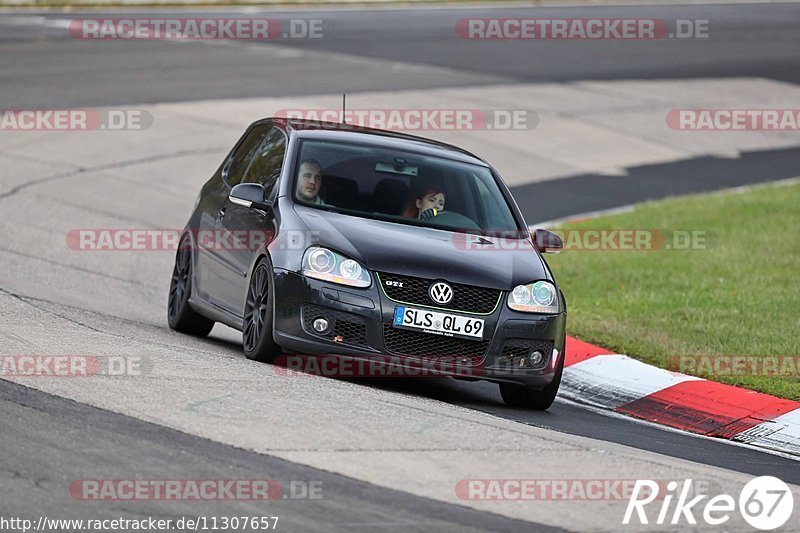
(249, 195)
(547, 242)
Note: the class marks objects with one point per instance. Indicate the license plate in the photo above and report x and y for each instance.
(438, 323)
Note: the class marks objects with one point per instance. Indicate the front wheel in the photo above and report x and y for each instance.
(180, 316)
(257, 331)
(540, 400)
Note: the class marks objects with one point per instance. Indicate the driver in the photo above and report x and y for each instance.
(426, 205)
(309, 181)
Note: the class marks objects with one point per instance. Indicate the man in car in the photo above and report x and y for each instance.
(309, 181)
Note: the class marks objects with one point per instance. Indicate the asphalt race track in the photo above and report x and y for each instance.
(388, 453)
(748, 40)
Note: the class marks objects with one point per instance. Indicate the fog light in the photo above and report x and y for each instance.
(320, 325)
(535, 358)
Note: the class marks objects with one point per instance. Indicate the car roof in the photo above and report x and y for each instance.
(333, 131)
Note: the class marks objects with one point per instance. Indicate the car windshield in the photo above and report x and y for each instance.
(400, 186)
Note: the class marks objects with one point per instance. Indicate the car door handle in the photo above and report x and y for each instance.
(221, 214)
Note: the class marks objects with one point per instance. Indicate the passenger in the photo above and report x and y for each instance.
(426, 205)
(309, 182)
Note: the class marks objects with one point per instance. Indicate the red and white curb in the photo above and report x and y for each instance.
(624, 385)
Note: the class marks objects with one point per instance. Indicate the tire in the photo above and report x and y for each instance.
(259, 307)
(180, 316)
(539, 400)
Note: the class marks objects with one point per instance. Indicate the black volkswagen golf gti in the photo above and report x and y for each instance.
(372, 244)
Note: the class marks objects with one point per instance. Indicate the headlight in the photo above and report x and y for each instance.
(539, 297)
(321, 263)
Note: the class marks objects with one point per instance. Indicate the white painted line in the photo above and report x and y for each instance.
(614, 414)
(782, 433)
(612, 380)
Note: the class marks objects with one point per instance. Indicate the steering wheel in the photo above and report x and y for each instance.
(455, 220)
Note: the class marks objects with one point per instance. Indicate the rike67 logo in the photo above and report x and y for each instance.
(765, 503)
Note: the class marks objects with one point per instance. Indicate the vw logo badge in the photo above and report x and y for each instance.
(440, 292)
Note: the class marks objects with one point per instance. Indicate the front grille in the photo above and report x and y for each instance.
(429, 346)
(415, 291)
(352, 329)
(516, 349)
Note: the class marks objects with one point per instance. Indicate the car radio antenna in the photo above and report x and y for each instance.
(344, 107)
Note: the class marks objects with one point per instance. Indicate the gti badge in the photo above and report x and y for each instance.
(394, 283)
(440, 292)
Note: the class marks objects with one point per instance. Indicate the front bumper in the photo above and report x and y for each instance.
(362, 328)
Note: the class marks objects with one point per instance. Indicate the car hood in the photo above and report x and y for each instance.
(425, 252)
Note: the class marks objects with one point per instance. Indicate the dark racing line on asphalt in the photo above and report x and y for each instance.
(76, 441)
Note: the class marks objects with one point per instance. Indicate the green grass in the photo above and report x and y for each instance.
(739, 296)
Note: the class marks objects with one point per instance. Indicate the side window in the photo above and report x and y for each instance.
(244, 154)
(265, 167)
